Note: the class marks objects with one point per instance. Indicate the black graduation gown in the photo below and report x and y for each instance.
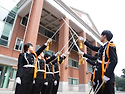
(26, 73)
(56, 75)
(109, 86)
(40, 75)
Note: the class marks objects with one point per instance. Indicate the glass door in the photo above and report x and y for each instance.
(2, 73)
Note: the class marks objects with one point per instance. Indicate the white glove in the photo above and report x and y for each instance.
(81, 53)
(49, 40)
(55, 82)
(105, 78)
(67, 53)
(62, 55)
(33, 81)
(81, 38)
(93, 83)
(46, 83)
(84, 58)
(57, 54)
(18, 80)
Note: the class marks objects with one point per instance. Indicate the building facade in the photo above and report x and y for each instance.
(35, 21)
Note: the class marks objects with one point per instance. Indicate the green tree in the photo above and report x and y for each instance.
(123, 71)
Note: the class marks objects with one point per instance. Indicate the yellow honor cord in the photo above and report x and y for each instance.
(35, 69)
(45, 71)
(83, 62)
(93, 75)
(103, 66)
(80, 45)
(58, 64)
(47, 48)
(79, 60)
(59, 70)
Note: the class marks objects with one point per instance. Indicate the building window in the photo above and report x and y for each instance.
(89, 51)
(89, 68)
(48, 52)
(46, 32)
(72, 81)
(73, 63)
(6, 24)
(18, 44)
(24, 21)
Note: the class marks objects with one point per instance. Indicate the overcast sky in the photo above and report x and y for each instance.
(107, 15)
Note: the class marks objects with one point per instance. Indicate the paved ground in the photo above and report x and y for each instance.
(2, 91)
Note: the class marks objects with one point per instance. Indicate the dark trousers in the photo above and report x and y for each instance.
(55, 88)
(27, 81)
(37, 87)
(18, 89)
(109, 88)
(47, 89)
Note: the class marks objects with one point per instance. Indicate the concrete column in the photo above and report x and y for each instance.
(63, 39)
(34, 20)
(83, 79)
(95, 44)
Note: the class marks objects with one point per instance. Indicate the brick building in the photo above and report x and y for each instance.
(35, 21)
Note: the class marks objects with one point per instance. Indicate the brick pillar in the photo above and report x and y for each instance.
(34, 20)
(83, 79)
(63, 39)
(95, 44)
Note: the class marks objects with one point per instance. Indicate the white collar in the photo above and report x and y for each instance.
(28, 52)
(104, 43)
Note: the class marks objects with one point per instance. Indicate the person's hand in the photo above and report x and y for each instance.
(93, 83)
(18, 80)
(81, 53)
(46, 83)
(33, 81)
(48, 41)
(62, 55)
(105, 78)
(55, 82)
(67, 54)
(57, 54)
(81, 38)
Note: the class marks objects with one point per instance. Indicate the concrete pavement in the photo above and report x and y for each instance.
(6, 91)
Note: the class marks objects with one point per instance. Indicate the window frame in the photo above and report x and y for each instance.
(22, 20)
(72, 63)
(71, 81)
(10, 35)
(16, 42)
(48, 30)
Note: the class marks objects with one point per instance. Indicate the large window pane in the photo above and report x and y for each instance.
(12, 14)
(10, 20)
(74, 81)
(46, 32)
(41, 30)
(89, 68)
(6, 31)
(69, 61)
